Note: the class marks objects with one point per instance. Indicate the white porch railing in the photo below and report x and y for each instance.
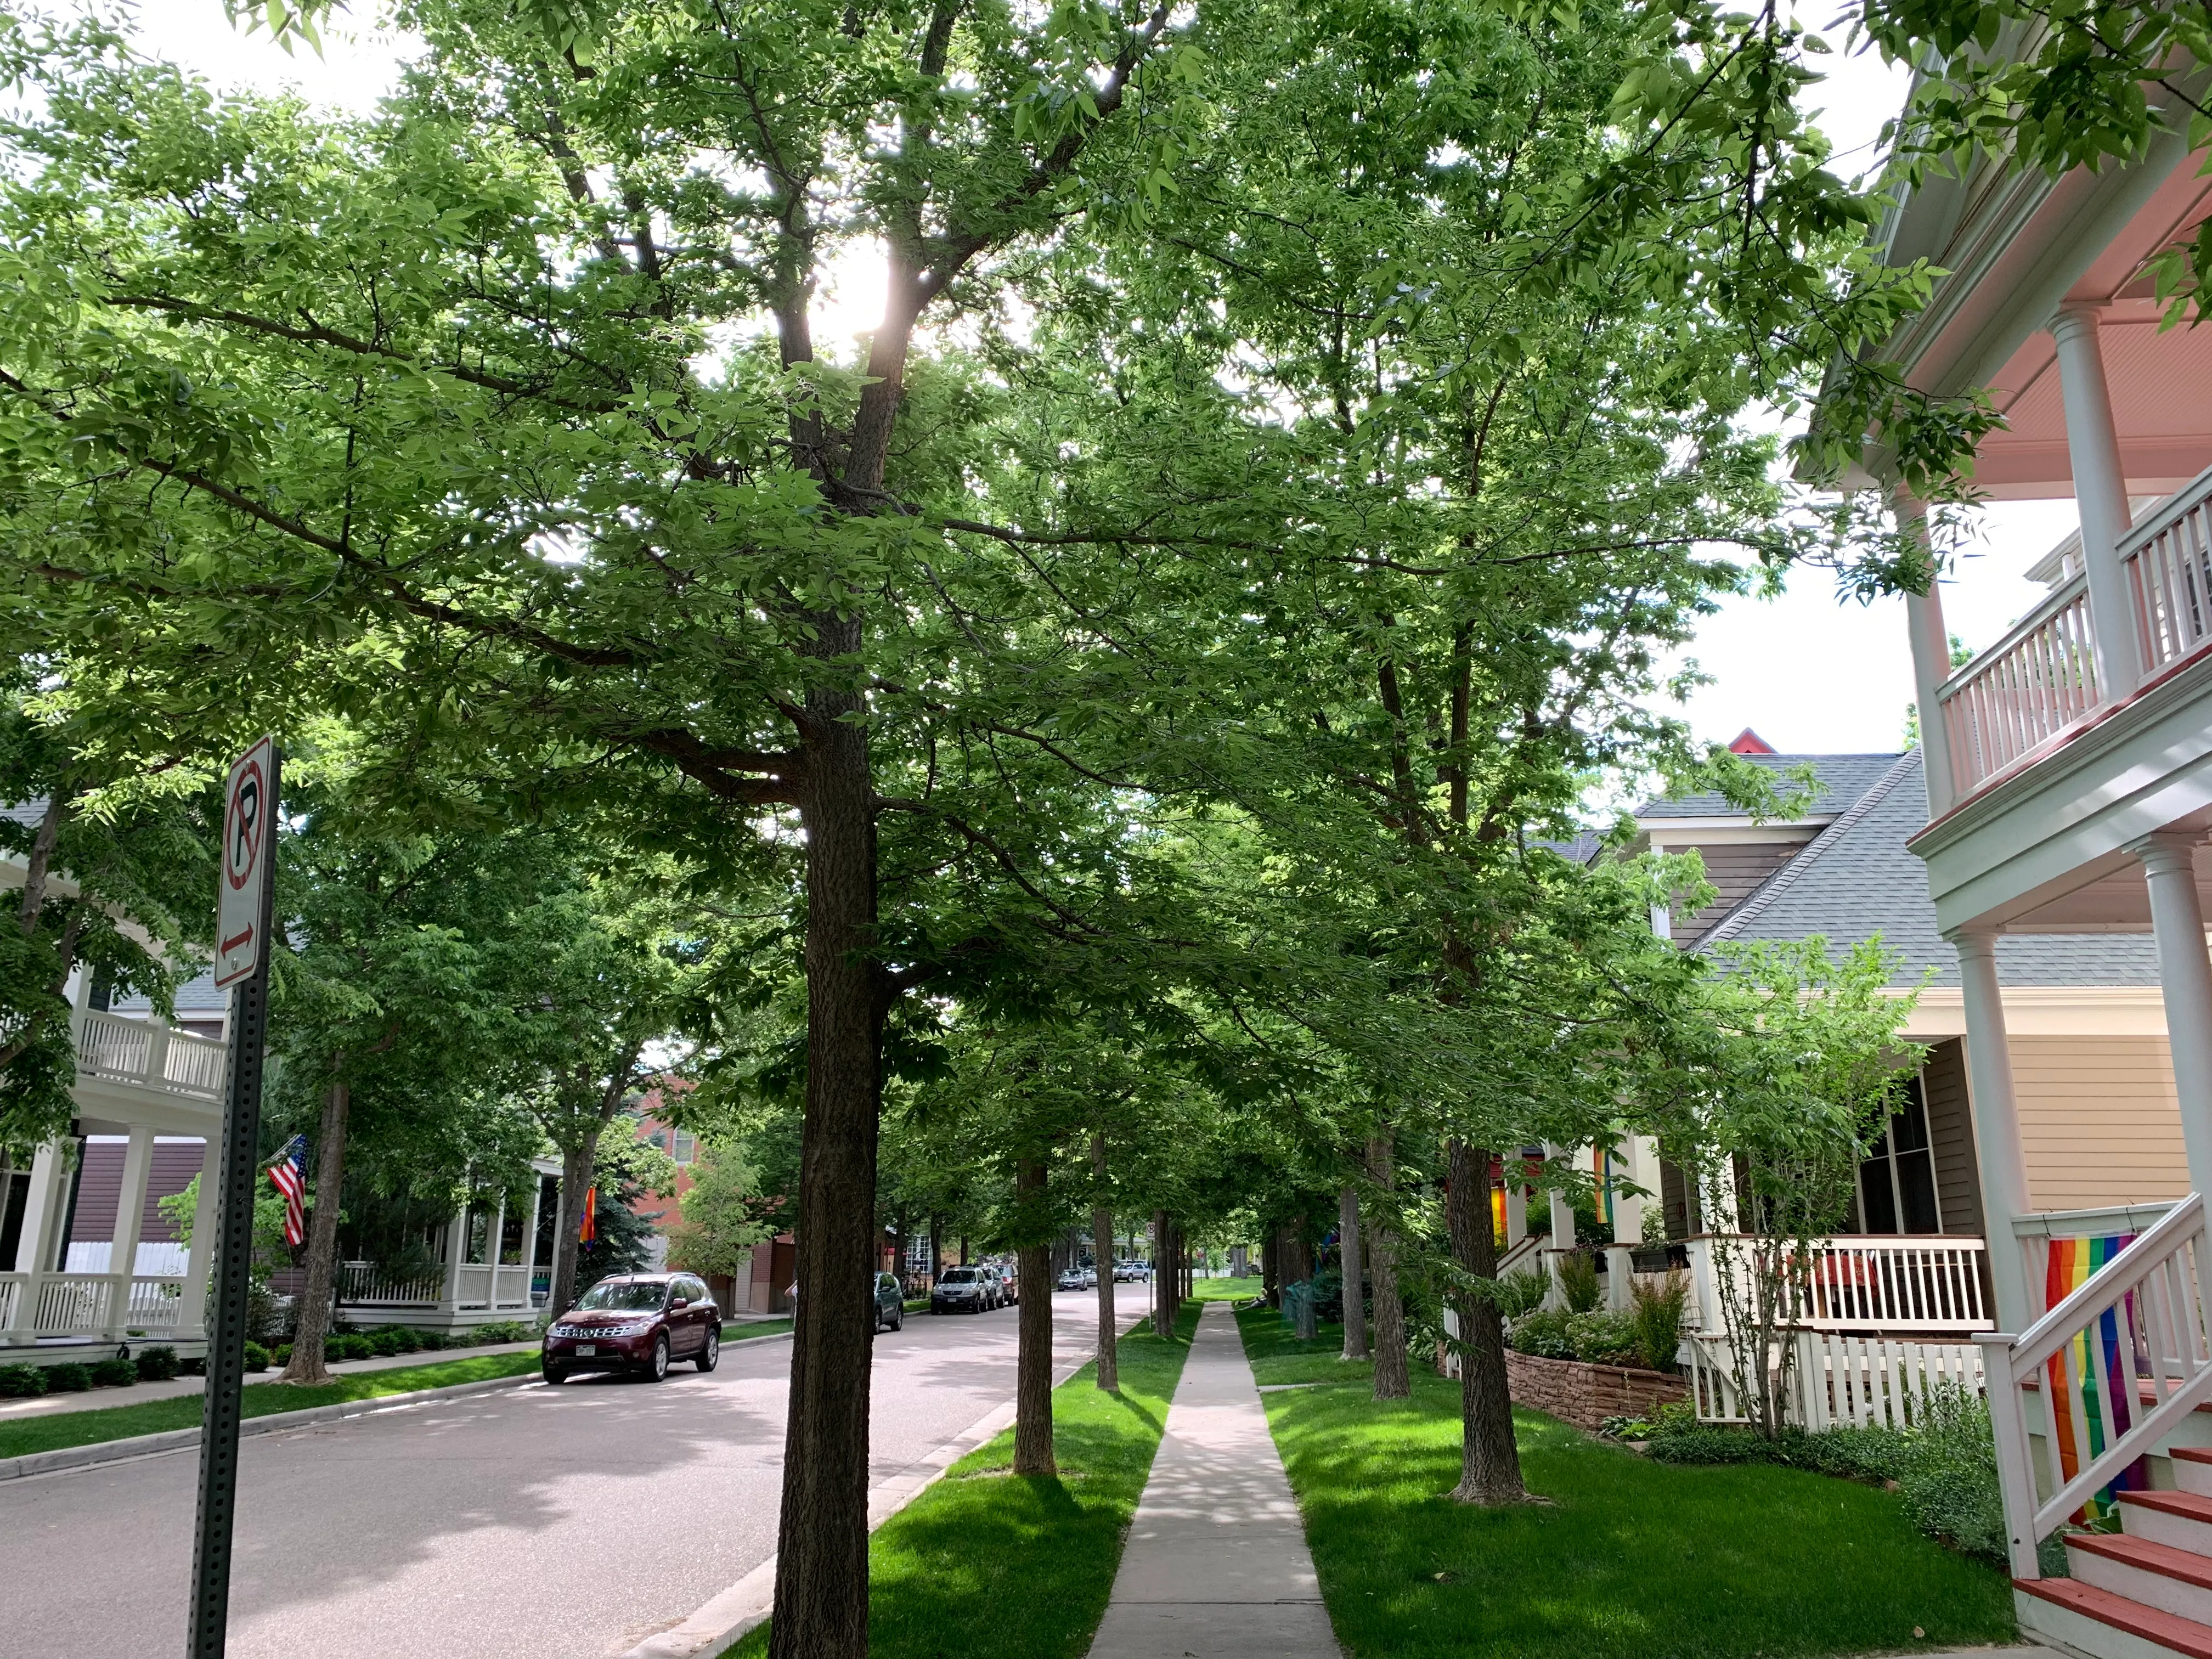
(1920, 1284)
(149, 1054)
(42, 1306)
(2133, 1381)
(2168, 561)
(1840, 1381)
(2022, 692)
(364, 1283)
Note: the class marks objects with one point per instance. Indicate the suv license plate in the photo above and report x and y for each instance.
(586, 1350)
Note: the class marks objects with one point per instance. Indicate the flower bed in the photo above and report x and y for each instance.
(1585, 1394)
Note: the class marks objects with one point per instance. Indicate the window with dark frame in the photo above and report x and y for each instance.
(1897, 1177)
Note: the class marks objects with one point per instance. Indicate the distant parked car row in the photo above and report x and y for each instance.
(975, 1289)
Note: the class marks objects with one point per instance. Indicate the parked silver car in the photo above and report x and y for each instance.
(963, 1289)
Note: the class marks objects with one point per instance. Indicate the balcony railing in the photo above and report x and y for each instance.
(41, 1307)
(2168, 561)
(2027, 692)
(2013, 698)
(149, 1054)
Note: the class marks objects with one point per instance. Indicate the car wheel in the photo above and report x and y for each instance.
(553, 1374)
(898, 1319)
(657, 1367)
(713, 1352)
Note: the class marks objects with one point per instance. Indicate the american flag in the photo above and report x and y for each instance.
(288, 1175)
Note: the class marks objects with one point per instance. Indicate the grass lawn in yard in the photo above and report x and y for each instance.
(985, 1566)
(1629, 1559)
(86, 1428)
(1223, 1288)
(752, 1328)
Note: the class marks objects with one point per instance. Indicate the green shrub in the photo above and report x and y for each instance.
(1655, 1314)
(21, 1382)
(1520, 1292)
(431, 1342)
(385, 1344)
(68, 1379)
(156, 1364)
(1579, 1281)
(257, 1356)
(114, 1374)
(502, 1330)
(1602, 1338)
(348, 1348)
(1949, 1475)
(1542, 1333)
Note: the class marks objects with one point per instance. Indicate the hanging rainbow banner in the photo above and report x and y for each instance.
(1601, 1166)
(1497, 1214)
(2104, 1360)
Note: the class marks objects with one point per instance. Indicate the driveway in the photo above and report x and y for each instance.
(534, 1522)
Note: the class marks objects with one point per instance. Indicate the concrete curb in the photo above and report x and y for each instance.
(727, 1620)
(153, 1445)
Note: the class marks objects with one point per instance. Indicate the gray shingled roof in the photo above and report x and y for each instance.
(26, 813)
(1842, 779)
(197, 995)
(1856, 878)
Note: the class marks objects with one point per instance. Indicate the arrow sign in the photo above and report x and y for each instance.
(249, 811)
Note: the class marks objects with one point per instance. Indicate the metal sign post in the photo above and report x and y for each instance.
(244, 910)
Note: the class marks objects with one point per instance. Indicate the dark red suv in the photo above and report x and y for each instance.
(640, 1322)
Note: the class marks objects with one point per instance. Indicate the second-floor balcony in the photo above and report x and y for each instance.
(2039, 686)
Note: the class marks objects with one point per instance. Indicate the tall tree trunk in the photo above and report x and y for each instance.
(306, 1363)
(1490, 1463)
(578, 1166)
(41, 860)
(822, 1531)
(1271, 1268)
(1108, 1375)
(1300, 1267)
(1163, 1320)
(1355, 1277)
(936, 1247)
(1393, 1378)
(1033, 1351)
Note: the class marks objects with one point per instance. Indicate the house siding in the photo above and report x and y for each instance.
(2098, 1122)
(1737, 869)
(100, 1188)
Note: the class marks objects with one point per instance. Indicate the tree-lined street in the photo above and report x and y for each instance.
(539, 1523)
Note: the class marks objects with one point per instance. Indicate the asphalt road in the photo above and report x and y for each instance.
(535, 1523)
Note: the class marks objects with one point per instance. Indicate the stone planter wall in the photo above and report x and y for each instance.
(1585, 1395)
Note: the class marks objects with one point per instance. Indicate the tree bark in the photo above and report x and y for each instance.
(1108, 1374)
(40, 861)
(1393, 1378)
(936, 1248)
(306, 1363)
(1271, 1268)
(1490, 1463)
(822, 1533)
(1033, 1349)
(578, 1166)
(1355, 1277)
(1163, 1320)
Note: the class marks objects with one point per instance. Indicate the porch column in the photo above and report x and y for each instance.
(42, 1209)
(2093, 447)
(494, 1249)
(2185, 974)
(457, 1247)
(530, 1238)
(1931, 666)
(192, 1318)
(1997, 1128)
(130, 1215)
(1516, 1200)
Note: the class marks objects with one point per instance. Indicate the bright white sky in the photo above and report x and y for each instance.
(1809, 674)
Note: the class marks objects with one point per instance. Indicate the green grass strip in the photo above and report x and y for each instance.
(1628, 1559)
(986, 1566)
(87, 1428)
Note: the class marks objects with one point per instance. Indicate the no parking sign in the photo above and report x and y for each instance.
(249, 807)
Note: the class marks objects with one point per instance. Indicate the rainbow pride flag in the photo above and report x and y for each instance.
(2104, 1360)
(1601, 1166)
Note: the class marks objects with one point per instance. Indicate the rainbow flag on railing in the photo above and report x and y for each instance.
(2104, 1358)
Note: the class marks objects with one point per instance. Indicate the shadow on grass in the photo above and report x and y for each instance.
(1019, 1567)
(1631, 1559)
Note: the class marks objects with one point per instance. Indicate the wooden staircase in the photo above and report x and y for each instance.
(2144, 1593)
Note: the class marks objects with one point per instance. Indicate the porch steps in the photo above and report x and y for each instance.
(2142, 1593)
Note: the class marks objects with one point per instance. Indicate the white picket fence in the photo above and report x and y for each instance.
(1841, 1380)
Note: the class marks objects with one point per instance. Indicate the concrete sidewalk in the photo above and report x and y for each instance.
(1216, 1565)
(137, 1393)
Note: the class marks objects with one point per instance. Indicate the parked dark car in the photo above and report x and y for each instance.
(636, 1323)
(890, 1304)
(1010, 1286)
(963, 1289)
